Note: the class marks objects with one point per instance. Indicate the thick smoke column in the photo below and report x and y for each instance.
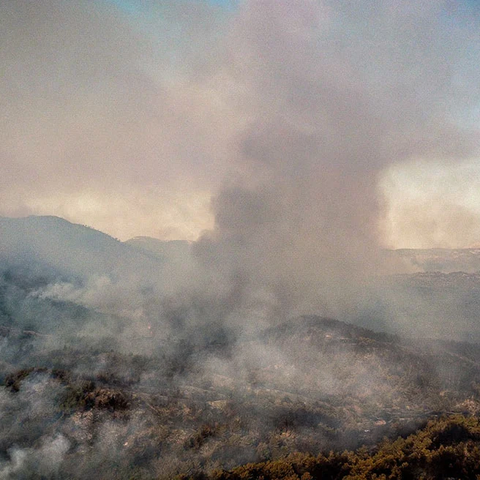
(334, 92)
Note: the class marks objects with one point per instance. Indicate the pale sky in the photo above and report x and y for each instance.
(131, 115)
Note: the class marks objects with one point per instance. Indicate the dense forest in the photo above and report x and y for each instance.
(446, 448)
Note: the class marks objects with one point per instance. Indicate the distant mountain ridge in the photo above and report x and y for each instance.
(44, 238)
(68, 248)
(445, 260)
(173, 249)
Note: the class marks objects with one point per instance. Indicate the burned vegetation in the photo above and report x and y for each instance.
(286, 398)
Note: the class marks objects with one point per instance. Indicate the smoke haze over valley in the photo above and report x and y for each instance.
(294, 188)
(137, 358)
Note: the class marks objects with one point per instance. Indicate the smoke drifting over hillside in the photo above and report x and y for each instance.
(285, 114)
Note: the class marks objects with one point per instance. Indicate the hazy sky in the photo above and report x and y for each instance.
(131, 115)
